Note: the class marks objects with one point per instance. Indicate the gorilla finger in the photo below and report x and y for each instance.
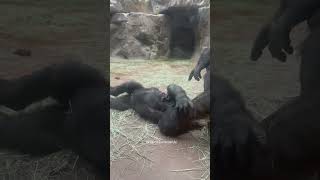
(289, 49)
(278, 54)
(255, 55)
(191, 75)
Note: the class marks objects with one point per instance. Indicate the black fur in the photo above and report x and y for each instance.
(170, 111)
(36, 133)
(236, 135)
(203, 62)
(275, 34)
(292, 131)
(77, 122)
(59, 81)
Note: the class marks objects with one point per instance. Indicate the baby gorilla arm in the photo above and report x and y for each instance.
(179, 96)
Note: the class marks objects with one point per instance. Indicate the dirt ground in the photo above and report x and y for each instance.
(265, 84)
(52, 30)
(138, 151)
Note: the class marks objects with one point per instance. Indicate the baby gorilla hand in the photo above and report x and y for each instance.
(234, 143)
(183, 104)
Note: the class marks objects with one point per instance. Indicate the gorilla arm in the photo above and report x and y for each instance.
(179, 96)
(277, 32)
(204, 62)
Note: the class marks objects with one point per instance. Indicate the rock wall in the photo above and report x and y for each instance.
(139, 35)
(140, 30)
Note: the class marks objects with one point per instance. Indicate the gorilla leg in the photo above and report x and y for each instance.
(201, 105)
(121, 103)
(86, 127)
(294, 147)
(35, 133)
(59, 81)
(127, 87)
(310, 64)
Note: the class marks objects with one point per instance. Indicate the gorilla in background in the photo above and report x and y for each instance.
(77, 121)
(174, 112)
(203, 62)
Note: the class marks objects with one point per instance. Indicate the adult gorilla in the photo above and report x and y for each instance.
(292, 130)
(236, 135)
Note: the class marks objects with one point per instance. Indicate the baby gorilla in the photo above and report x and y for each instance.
(79, 90)
(173, 112)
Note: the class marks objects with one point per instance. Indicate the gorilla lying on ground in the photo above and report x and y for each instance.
(173, 112)
(78, 121)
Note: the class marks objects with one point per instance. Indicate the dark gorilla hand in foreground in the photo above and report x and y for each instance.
(275, 34)
(236, 136)
(77, 122)
(174, 112)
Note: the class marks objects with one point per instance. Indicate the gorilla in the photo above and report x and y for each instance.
(275, 34)
(174, 112)
(76, 121)
(203, 62)
(238, 139)
(59, 81)
(292, 130)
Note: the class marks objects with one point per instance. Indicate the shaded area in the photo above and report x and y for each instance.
(183, 23)
(267, 83)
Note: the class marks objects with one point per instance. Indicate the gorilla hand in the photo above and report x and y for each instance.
(234, 142)
(195, 73)
(280, 42)
(183, 103)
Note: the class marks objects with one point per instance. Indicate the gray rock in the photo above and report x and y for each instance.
(139, 35)
(115, 7)
(204, 27)
(158, 6)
